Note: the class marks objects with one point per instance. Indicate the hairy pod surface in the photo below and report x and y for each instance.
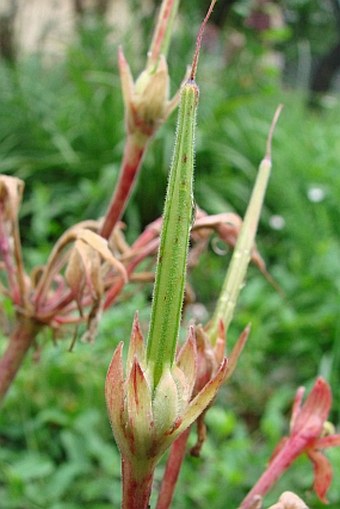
(173, 251)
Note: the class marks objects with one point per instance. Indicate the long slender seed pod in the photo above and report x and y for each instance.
(172, 256)
(239, 262)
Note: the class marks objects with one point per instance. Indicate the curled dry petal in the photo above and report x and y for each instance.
(257, 503)
(11, 191)
(207, 363)
(83, 269)
(289, 500)
(100, 245)
(83, 254)
(84, 273)
(228, 226)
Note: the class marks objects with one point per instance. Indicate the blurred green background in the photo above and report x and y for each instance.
(61, 130)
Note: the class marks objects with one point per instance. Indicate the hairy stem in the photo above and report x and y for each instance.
(172, 469)
(19, 343)
(136, 486)
(132, 159)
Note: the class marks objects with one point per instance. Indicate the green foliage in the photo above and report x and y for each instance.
(63, 126)
(63, 135)
(56, 448)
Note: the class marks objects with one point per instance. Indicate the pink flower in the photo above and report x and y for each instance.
(310, 433)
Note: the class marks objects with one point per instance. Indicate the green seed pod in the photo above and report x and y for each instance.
(173, 252)
(237, 270)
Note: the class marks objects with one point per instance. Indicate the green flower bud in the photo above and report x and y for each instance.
(144, 421)
(146, 100)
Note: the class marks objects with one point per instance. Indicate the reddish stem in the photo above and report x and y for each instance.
(172, 469)
(278, 465)
(118, 286)
(136, 486)
(151, 231)
(162, 30)
(199, 41)
(133, 155)
(20, 341)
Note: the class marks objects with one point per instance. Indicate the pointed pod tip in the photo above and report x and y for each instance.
(190, 86)
(199, 41)
(271, 132)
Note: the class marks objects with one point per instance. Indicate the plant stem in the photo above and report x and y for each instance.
(20, 265)
(20, 341)
(277, 466)
(136, 486)
(132, 159)
(172, 470)
(163, 31)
